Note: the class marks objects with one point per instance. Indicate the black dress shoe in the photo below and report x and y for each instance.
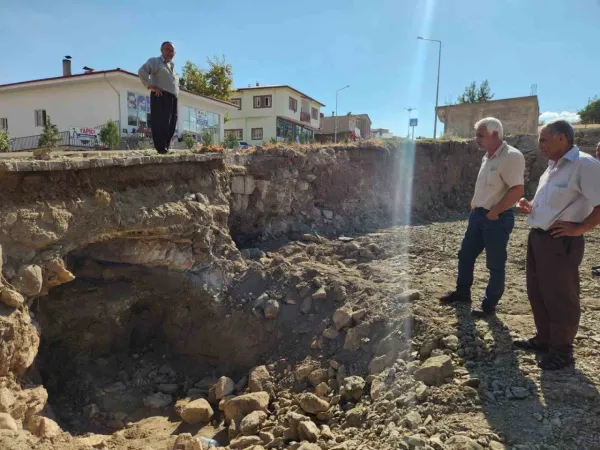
(455, 296)
(531, 345)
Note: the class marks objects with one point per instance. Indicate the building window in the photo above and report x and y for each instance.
(293, 104)
(40, 117)
(314, 113)
(4, 123)
(257, 133)
(238, 133)
(138, 111)
(197, 121)
(263, 101)
(237, 102)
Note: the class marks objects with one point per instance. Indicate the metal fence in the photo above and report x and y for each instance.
(67, 139)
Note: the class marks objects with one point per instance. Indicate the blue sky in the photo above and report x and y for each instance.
(320, 46)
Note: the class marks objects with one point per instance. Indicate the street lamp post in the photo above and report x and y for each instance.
(336, 113)
(409, 109)
(437, 92)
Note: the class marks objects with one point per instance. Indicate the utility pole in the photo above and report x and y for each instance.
(437, 92)
(336, 113)
(409, 109)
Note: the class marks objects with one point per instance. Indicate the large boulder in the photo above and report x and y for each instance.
(459, 442)
(29, 280)
(260, 380)
(308, 431)
(239, 407)
(251, 423)
(352, 387)
(312, 404)
(224, 387)
(11, 298)
(197, 411)
(435, 370)
(342, 317)
(245, 442)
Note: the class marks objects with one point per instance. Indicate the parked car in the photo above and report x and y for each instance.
(244, 145)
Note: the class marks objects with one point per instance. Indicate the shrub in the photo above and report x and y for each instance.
(4, 144)
(231, 141)
(207, 139)
(189, 141)
(273, 140)
(50, 136)
(109, 135)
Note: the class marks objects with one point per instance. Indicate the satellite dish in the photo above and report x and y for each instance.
(88, 69)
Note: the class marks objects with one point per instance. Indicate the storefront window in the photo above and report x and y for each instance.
(198, 121)
(138, 110)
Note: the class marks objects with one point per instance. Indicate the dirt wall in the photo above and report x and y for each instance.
(356, 187)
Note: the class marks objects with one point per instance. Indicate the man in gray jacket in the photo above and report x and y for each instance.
(159, 76)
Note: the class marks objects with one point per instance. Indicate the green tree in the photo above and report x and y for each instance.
(484, 93)
(231, 141)
(474, 94)
(4, 145)
(109, 135)
(216, 81)
(50, 136)
(591, 113)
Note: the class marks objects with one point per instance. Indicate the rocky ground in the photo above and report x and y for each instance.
(370, 360)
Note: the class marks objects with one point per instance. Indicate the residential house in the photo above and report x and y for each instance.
(80, 104)
(349, 126)
(273, 112)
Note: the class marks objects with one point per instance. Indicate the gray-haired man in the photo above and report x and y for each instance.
(499, 185)
(566, 205)
(159, 76)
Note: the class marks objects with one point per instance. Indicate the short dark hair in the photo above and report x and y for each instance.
(165, 43)
(561, 126)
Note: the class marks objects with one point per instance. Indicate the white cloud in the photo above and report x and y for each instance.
(572, 117)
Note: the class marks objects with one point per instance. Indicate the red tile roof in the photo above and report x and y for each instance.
(100, 72)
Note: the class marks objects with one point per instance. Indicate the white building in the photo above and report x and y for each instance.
(81, 103)
(267, 112)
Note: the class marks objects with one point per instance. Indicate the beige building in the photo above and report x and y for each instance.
(518, 115)
(266, 112)
(357, 125)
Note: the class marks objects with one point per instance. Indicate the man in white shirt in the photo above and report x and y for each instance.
(499, 185)
(565, 207)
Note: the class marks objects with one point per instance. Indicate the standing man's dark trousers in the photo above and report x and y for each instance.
(553, 288)
(163, 120)
(491, 235)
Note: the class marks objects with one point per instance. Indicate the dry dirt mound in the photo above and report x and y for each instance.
(357, 353)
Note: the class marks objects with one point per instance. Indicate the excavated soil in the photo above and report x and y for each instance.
(129, 335)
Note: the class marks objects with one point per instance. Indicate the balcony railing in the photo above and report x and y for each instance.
(305, 117)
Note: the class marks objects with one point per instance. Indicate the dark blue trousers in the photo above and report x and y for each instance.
(491, 235)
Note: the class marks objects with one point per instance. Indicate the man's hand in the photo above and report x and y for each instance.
(524, 206)
(156, 91)
(560, 229)
(492, 215)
